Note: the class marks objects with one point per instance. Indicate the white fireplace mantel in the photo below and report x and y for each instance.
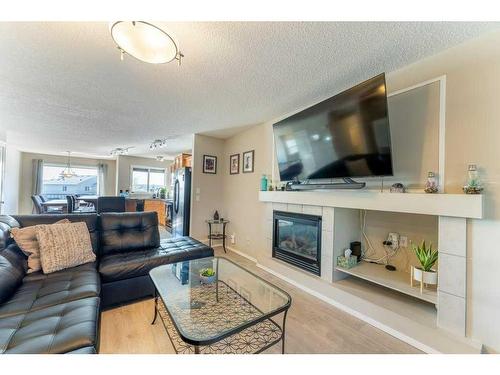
(339, 208)
(452, 205)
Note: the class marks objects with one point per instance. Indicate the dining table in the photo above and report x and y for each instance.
(63, 203)
(55, 205)
(89, 199)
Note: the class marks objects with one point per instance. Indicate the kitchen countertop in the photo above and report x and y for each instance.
(149, 199)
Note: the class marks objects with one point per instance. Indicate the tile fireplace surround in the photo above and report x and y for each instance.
(340, 225)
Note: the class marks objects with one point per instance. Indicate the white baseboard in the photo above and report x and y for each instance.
(357, 314)
(242, 254)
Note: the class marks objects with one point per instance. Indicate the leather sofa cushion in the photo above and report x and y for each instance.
(126, 265)
(122, 232)
(10, 278)
(6, 224)
(89, 219)
(39, 291)
(15, 255)
(58, 329)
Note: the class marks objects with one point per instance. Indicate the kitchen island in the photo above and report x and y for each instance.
(149, 204)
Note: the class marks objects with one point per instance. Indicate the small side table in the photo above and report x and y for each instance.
(217, 236)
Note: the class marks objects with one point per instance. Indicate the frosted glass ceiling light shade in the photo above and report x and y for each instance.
(145, 42)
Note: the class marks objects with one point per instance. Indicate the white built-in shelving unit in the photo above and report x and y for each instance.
(395, 280)
(340, 211)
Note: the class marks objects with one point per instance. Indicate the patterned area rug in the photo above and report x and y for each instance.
(208, 317)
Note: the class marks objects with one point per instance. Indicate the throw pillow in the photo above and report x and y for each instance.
(27, 242)
(64, 246)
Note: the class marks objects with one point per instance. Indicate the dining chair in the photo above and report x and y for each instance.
(110, 204)
(74, 206)
(71, 204)
(37, 204)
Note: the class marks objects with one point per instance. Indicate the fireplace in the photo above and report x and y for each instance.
(297, 240)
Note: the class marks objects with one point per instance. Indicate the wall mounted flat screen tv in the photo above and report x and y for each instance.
(344, 136)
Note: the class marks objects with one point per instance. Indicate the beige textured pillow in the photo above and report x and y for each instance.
(64, 246)
(27, 242)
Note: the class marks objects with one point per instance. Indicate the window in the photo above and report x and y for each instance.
(57, 187)
(147, 179)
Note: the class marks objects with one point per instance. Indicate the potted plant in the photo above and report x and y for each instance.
(427, 256)
(163, 192)
(207, 275)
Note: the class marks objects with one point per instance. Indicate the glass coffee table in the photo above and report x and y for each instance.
(232, 312)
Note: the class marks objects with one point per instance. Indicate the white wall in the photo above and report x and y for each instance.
(241, 190)
(12, 180)
(472, 135)
(207, 190)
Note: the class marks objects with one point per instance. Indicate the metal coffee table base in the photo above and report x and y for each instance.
(251, 339)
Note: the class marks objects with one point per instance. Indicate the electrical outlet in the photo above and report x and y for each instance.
(403, 241)
(394, 239)
(233, 238)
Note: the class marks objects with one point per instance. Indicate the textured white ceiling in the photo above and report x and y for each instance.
(63, 86)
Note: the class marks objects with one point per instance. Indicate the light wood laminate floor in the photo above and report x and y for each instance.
(313, 326)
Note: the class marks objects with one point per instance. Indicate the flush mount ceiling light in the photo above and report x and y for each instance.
(120, 151)
(144, 41)
(157, 143)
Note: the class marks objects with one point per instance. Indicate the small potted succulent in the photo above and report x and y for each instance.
(207, 275)
(425, 274)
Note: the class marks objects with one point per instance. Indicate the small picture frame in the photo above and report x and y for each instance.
(248, 161)
(234, 164)
(209, 164)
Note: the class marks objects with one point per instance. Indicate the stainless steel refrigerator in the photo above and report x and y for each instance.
(182, 202)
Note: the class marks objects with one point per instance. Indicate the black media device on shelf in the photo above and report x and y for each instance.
(344, 137)
(356, 249)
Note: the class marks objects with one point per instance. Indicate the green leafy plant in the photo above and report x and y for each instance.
(426, 255)
(207, 272)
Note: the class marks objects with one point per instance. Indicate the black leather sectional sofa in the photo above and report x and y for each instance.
(60, 312)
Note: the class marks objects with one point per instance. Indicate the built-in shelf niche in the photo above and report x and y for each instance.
(395, 280)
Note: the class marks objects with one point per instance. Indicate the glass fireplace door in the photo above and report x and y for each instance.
(297, 240)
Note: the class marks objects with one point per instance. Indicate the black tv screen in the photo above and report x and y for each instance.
(346, 135)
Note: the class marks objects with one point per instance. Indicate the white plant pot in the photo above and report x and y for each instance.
(430, 277)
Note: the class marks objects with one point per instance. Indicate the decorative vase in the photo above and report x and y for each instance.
(423, 277)
(473, 185)
(263, 183)
(431, 186)
(216, 216)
